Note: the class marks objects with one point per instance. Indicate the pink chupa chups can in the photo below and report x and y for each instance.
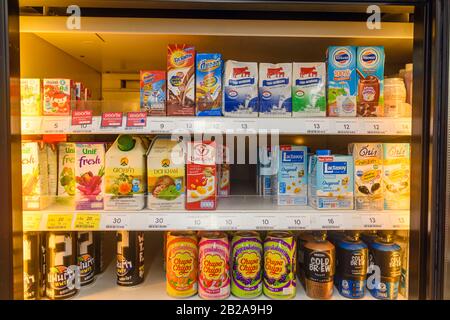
(214, 255)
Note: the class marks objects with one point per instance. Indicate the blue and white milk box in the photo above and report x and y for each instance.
(291, 179)
(275, 82)
(240, 81)
(330, 181)
(208, 87)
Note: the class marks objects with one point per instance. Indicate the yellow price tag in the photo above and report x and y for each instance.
(86, 221)
(59, 221)
(32, 221)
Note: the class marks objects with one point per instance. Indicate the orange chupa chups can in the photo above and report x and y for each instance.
(181, 264)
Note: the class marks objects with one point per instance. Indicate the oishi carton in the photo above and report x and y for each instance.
(275, 81)
(240, 89)
(180, 80)
(342, 81)
(89, 172)
(30, 97)
(66, 173)
(58, 96)
(153, 92)
(396, 175)
(308, 90)
(201, 176)
(208, 89)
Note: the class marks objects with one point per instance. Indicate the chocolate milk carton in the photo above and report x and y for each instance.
(308, 90)
(208, 89)
(240, 89)
(153, 92)
(396, 176)
(342, 81)
(275, 81)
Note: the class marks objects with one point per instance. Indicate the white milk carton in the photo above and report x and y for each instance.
(275, 82)
(66, 173)
(396, 176)
(240, 96)
(308, 90)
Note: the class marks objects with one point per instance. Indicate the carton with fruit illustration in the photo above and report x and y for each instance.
(89, 172)
(30, 97)
(58, 96)
(66, 173)
(165, 174)
(201, 176)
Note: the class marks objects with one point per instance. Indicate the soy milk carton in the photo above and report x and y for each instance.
(308, 90)
(89, 176)
(291, 179)
(330, 180)
(153, 92)
(275, 90)
(66, 173)
(30, 97)
(342, 82)
(368, 178)
(58, 96)
(208, 89)
(240, 89)
(396, 176)
(125, 177)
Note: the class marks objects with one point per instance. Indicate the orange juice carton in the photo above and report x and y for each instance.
(275, 85)
(153, 92)
(396, 176)
(66, 173)
(58, 96)
(89, 176)
(201, 176)
(208, 89)
(223, 172)
(180, 80)
(30, 97)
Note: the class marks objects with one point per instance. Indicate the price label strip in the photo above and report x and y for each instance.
(376, 127)
(347, 126)
(160, 221)
(317, 126)
(161, 126)
(55, 124)
(244, 125)
(87, 128)
(87, 221)
(264, 223)
(400, 221)
(32, 221)
(373, 221)
(330, 222)
(227, 222)
(295, 222)
(197, 222)
(115, 222)
(31, 124)
(59, 221)
(403, 126)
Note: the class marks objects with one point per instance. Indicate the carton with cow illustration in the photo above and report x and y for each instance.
(308, 90)
(240, 89)
(275, 90)
(58, 96)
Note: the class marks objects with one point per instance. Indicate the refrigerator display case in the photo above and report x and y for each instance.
(115, 115)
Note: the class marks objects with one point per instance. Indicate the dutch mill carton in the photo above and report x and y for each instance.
(275, 90)
(208, 89)
(308, 90)
(240, 89)
(368, 178)
(153, 92)
(342, 81)
(180, 80)
(396, 176)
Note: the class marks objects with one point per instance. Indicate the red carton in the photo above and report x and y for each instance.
(201, 176)
(58, 96)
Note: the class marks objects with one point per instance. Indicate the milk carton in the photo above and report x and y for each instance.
(275, 82)
(330, 181)
(291, 179)
(368, 168)
(208, 89)
(396, 176)
(201, 178)
(240, 89)
(166, 174)
(58, 96)
(153, 92)
(125, 176)
(180, 80)
(30, 97)
(308, 90)
(342, 81)
(66, 173)
(89, 172)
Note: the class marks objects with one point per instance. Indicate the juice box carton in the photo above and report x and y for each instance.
(370, 69)
(35, 176)
(291, 179)
(58, 96)
(275, 82)
(368, 179)
(201, 176)
(240, 89)
(308, 90)
(180, 80)
(52, 162)
(396, 176)
(330, 180)
(125, 176)
(223, 171)
(166, 174)
(30, 97)
(89, 176)
(153, 92)
(66, 173)
(208, 89)
(342, 81)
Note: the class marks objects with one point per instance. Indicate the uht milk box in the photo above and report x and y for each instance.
(275, 90)
(308, 90)
(291, 179)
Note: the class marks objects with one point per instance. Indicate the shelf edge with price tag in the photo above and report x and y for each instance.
(87, 221)
(330, 222)
(115, 221)
(403, 126)
(317, 126)
(31, 125)
(197, 222)
(244, 125)
(295, 222)
(161, 126)
(56, 221)
(226, 222)
(372, 221)
(376, 127)
(111, 120)
(159, 221)
(400, 221)
(55, 124)
(264, 223)
(347, 126)
(32, 221)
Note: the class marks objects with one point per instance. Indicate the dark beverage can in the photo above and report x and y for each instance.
(99, 254)
(31, 266)
(130, 258)
(86, 257)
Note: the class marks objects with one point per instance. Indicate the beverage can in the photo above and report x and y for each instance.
(33, 265)
(86, 256)
(130, 258)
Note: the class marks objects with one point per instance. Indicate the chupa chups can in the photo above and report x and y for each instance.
(33, 266)
(214, 257)
(62, 279)
(181, 264)
(280, 255)
(130, 258)
(246, 261)
(86, 256)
